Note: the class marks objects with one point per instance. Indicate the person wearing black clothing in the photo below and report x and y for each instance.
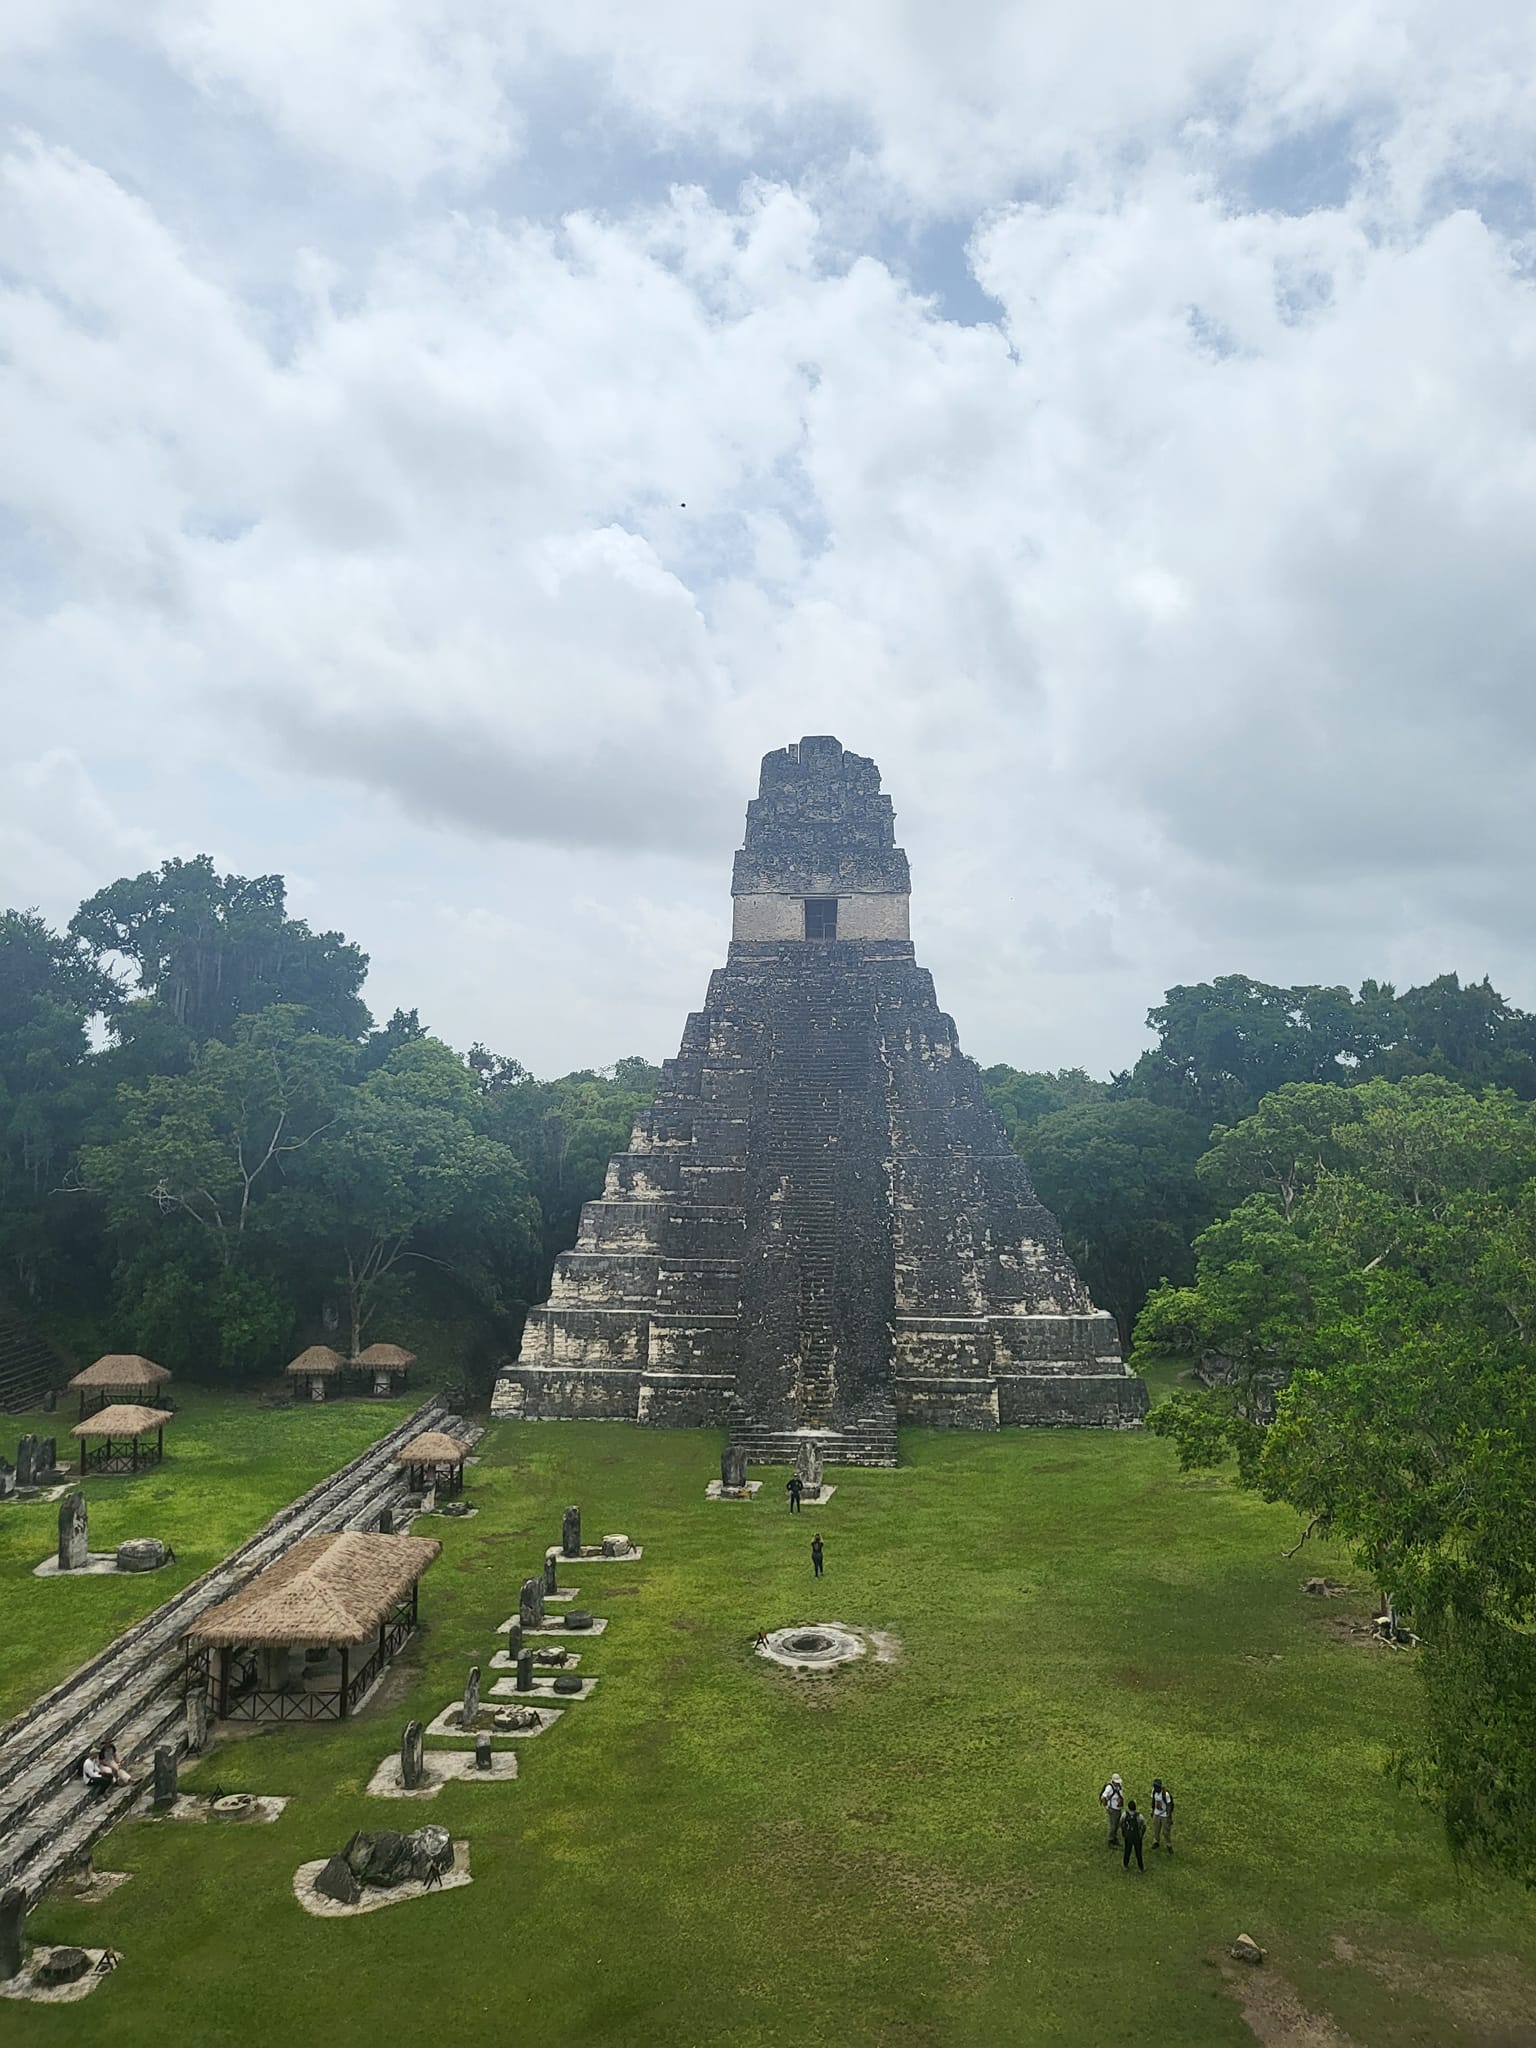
(1132, 1828)
(794, 1489)
(816, 1554)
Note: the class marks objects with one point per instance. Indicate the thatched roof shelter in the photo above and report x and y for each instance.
(121, 1369)
(124, 1422)
(122, 1418)
(337, 1589)
(317, 1360)
(118, 1373)
(432, 1447)
(385, 1358)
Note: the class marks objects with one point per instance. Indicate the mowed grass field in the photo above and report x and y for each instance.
(709, 1850)
(229, 1465)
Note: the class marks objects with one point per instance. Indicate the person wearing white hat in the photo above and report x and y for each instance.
(1112, 1799)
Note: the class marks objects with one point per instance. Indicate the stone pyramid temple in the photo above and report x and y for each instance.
(819, 1229)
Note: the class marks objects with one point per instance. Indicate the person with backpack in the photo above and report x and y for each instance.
(1162, 1816)
(816, 1555)
(1132, 1828)
(1112, 1799)
(794, 1489)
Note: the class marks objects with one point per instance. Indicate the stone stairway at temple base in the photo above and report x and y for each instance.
(131, 1692)
(29, 1365)
(862, 1440)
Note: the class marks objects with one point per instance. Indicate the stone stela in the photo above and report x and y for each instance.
(74, 1533)
(819, 1224)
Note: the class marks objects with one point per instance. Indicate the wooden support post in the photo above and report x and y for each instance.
(224, 1682)
(345, 1704)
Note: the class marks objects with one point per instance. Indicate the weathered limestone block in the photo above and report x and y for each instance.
(570, 1532)
(141, 1554)
(733, 1468)
(530, 1605)
(413, 1762)
(165, 1776)
(74, 1532)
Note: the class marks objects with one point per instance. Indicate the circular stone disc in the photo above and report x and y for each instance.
(813, 1646)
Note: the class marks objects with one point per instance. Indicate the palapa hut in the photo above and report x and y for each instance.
(120, 1376)
(388, 1365)
(312, 1368)
(110, 1439)
(308, 1637)
(433, 1459)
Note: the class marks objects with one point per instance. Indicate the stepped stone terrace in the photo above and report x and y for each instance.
(819, 1228)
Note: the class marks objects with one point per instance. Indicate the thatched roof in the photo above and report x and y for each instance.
(121, 1369)
(385, 1357)
(332, 1589)
(319, 1358)
(432, 1447)
(123, 1418)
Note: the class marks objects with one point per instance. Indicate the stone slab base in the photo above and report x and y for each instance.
(715, 1491)
(562, 1593)
(813, 1500)
(99, 1564)
(25, 1984)
(590, 1553)
(441, 1767)
(599, 1623)
(372, 1901)
(542, 1689)
(34, 1496)
(91, 1887)
(502, 1662)
(446, 1727)
(189, 1807)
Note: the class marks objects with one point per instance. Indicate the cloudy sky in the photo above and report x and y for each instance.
(443, 444)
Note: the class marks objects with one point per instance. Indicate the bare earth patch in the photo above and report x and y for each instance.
(1273, 2011)
(1491, 1999)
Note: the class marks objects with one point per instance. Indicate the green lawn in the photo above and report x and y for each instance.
(229, 1464)
(708, 1850)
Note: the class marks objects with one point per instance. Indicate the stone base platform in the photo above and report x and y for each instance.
(440, 1767)
(99, 1564)
(502, 1662)
(715, 1491)
(188, 1806)
(372, 1900)
(542, 1689)
(26, 1983)
(599, 1623)
(446, 1727)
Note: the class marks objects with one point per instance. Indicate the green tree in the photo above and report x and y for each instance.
(1119, 1176)
(1386, 1275)
(409, 1179)
(213, 947)
(1021, 1099)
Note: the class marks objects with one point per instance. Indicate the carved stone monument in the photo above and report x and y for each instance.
(570, 1532)
(197, 1722)
(524, 1676)
(617, 1546)
(13, 1921)
(413, 1761)
(551, 1561)
(469, 1713)
(141, 1554)
(514, 1638)
(386, 1521)
(482, 1752)
(819, 1222)
(808, 1469)
(530, 1604)
(733, 1469)
(7, 1478)
(165, 1775)
(29, 1460)
(74, 1532)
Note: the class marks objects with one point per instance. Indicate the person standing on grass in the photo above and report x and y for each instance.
(1162, 1816)
(1112, 1799)
(1132, 1828)
(816, 1555)
(794, 1489)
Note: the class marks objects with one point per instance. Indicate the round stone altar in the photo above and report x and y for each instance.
(812, 1646)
